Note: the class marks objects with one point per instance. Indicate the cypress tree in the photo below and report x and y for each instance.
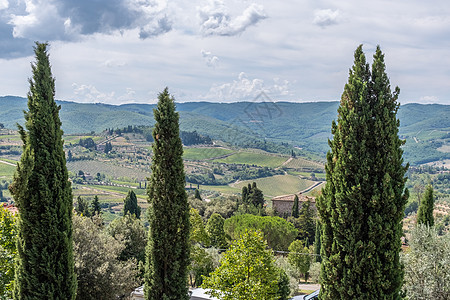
(317, 242)
(167, 254)
(197, 195)
(42, 191)
(131, 205)
(362, 205)
(295, 211)
(96, 209)
(425, 214)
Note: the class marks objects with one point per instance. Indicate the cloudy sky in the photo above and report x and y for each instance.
(119, 51)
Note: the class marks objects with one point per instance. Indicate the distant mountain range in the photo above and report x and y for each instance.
(426, 128)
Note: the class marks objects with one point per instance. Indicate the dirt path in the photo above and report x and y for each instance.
(7, 163)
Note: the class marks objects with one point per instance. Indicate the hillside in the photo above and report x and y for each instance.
(305, 125)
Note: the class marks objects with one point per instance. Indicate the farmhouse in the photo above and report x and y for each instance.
(282, 205)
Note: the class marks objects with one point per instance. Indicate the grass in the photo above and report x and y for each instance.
(300, 163)
(94, 167)
(7, 170)
(259, 159)
(278, 185)
(204, 153)
(224, 189)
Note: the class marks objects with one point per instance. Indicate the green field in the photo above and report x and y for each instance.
(300, 163)
(93, 167)
(278, 185)
(204, 153)
(225, 189)
(7, 170)
(249, 158)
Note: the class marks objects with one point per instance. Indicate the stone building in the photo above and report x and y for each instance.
(282, 205)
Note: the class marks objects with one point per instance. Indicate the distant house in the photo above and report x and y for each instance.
(88, 176)
(282, 205)
(195, 294)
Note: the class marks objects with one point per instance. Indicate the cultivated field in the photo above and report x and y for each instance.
(258, 159)
(204, 153)
(278, 185)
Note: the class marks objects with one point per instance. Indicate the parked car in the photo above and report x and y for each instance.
(313, 296)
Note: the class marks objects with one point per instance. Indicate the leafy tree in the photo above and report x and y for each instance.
(131, 232)
(284, 289)
(167, 255)
(100, 273)
(82, 207)
(96, 209)
(201, 265)
(299, 257)
(108, 147)
(131, 205)
(427, 267)
(425, 214)
(295, 211)
(277, 231)
(197, 195)
(247, 271)
(198, 233)
(362, 205)
(42, 191)
(216, 233)
(8, 252)
(69, 156)
(2, 126)
(252, 199)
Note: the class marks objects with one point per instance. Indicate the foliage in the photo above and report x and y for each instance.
(427, 265)
(82, 207)
(131, 205)
(42, 192)
(284, 289)
(167, 254)
(425, 214)
(295, 211)
(307, 222)
(96, 208)
(278, 233)
(193, 138)
(299, 257)
(201, 265)
(131, 232)
(197, 195)
(198, 234)
(247, 271)
(292, 273)
(87, 143)
(317, 242)
(216, 233)
(100, 272)
(363, 202)
(8, 252)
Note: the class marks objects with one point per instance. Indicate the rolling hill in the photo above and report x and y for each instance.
(425, 128)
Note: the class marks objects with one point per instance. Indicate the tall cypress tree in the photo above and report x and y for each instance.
(168, 243)
(42, 191)
(295, 210)
(362, 205)
(131, 205)
(425, 213)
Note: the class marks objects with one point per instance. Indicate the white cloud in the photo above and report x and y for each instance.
(326, 17)
(429, 99)
(210, 60)
(247, 89)
(89, 93)
(216, 20)
(4, 4)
